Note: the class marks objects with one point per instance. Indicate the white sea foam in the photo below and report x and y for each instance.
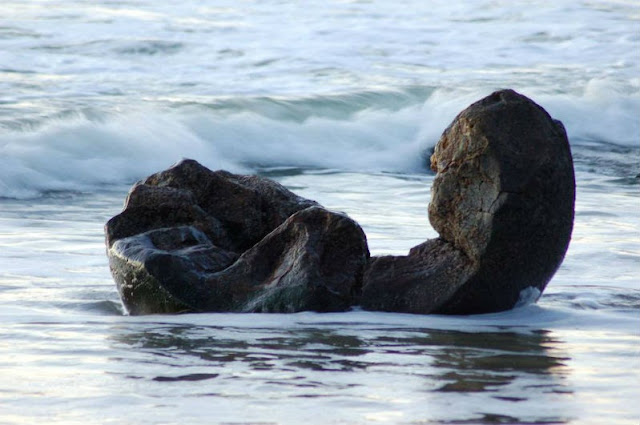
(578, 61)
(528, 296)
(603, 111)
(81, 153)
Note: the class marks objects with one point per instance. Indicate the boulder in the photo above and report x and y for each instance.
(503, 204)
(234, 211)
(193, 240)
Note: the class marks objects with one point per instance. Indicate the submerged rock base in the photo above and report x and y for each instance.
(193, 240)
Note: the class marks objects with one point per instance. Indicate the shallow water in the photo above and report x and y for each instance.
(348, 368)
(70, 355)
(341, 103)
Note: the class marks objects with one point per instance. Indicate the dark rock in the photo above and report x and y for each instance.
(416, 283)
(190, 239)
(142, 264)
(313, 261)
(504, 197)
(234, 211)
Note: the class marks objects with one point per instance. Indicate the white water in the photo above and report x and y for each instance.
(340, 101)
(313, 132)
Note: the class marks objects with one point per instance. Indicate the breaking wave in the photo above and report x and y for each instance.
(369, 131)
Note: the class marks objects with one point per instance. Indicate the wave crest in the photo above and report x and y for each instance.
(372, 132)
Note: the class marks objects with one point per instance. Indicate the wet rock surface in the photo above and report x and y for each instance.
(416, 283)
(193, 240)
(503, 196)
(147, 268)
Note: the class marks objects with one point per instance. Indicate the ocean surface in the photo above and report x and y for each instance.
(340, 101)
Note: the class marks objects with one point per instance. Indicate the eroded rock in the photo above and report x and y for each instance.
(504, 197)
(142, 266)
(419, 282)
(190, 239)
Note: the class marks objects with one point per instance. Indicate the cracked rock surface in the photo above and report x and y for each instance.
(194, 240)
(503, 204)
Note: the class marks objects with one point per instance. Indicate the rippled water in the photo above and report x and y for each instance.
(69, 356)
(341, 102)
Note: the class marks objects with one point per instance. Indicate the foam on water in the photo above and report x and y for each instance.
(82, 152)
(115, 91)
(81, 155)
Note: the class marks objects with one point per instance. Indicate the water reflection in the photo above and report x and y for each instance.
(259, 349)
(483, 361)
(503, 370)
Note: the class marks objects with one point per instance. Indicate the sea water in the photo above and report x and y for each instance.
(341, 102)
